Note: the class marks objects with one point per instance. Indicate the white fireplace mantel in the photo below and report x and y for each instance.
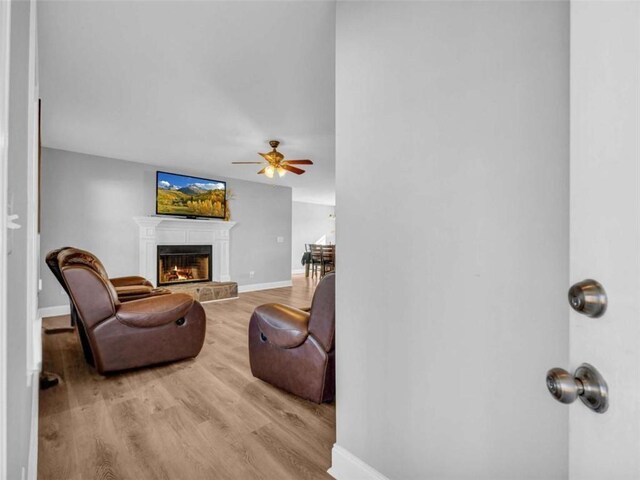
(157, 230)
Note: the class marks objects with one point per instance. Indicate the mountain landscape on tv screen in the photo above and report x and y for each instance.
(196, 198)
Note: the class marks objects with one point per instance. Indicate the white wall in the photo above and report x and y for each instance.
(90, 202)
(19, 392)
(452, 179)
(311, 223)
(605, 231)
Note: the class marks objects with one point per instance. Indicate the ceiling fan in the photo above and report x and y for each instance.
(277, 163)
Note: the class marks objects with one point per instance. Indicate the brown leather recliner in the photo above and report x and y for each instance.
(133, 334)
(295, 350)
(128, 288)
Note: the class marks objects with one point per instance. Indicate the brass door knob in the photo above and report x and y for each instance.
(586, 384)
(589, 298)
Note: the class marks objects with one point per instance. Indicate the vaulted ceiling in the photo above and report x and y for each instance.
(193, 86)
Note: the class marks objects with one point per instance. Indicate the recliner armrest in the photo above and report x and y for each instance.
(154, 311)
(126, 290)
(131, 280)
(282, 325)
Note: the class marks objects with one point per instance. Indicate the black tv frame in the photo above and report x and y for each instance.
(192, 217)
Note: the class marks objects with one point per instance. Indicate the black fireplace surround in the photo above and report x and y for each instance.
(178, 264)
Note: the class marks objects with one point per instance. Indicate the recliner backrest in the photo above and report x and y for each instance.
(92, 293)
(322, 321)
(52, 262)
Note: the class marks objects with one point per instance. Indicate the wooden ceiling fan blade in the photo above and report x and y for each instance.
(297, 171)
(299, 162)
(247, 163)
(262, 171)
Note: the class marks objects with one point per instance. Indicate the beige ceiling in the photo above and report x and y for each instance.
(193, 86)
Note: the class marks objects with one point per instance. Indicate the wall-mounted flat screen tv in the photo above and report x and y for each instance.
(189, 196)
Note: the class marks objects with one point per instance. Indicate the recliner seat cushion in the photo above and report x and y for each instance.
(154, 311)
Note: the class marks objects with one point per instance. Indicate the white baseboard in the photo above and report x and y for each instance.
(54, 311)
(297, 271)
(32, 467)
(254, 287)
(346, 466)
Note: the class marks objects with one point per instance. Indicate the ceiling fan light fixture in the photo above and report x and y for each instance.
(269, 171)
(276, 163)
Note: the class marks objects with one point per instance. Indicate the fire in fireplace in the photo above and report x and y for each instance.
(184, 264)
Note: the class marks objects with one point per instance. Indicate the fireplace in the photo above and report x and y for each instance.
(184, 264)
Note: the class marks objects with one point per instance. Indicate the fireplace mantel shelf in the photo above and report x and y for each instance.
(154, 220)
(157, 230)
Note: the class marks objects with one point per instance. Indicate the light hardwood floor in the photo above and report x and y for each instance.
(206, 418)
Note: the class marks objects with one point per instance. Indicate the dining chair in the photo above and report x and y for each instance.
(328, 259)
(306, 259)
(316, 258)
